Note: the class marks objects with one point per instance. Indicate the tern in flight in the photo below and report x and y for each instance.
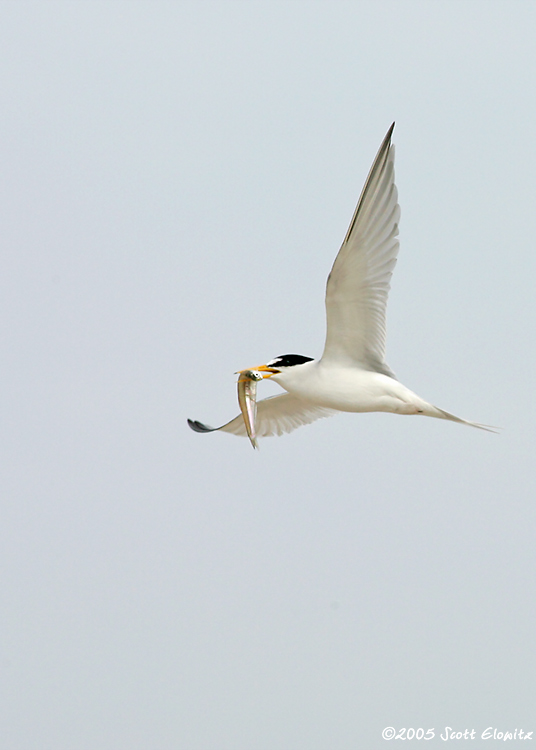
(352, 374)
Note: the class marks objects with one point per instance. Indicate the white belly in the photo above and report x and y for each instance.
(350, 389)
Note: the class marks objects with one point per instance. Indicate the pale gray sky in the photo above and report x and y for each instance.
(176, 179)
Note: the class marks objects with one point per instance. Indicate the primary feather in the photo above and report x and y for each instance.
(359, 282)
(275, 416)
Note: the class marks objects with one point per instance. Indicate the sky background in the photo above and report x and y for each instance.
(176, 179)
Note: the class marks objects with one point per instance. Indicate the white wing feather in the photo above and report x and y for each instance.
(275, 416)
(358, 285)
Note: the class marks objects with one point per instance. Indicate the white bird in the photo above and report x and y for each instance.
(352, 374)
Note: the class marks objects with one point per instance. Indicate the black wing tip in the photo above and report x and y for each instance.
(199, 426)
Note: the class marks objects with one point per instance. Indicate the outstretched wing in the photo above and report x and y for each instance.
(275, 416)
(358, 285)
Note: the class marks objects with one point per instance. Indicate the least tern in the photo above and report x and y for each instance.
(352, 374)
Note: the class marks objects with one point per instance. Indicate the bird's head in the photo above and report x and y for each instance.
(280, 366)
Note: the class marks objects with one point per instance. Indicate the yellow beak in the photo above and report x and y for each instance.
(262, 368)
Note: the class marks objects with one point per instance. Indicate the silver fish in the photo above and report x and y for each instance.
(247, 399)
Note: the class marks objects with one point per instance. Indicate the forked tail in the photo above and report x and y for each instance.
(442, 414)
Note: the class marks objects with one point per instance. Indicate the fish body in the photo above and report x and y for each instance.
(247, 399)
